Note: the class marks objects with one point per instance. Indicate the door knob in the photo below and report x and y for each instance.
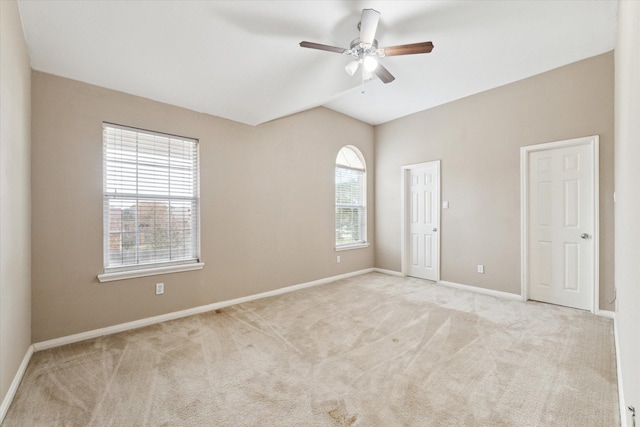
(435, 229)
(584, 235)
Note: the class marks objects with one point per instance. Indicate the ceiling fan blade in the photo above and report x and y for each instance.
(408, 49)
(319, 46)
(368, 25)
(383, 74)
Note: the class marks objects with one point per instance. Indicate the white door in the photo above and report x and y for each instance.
(422, 220)
(561, 209)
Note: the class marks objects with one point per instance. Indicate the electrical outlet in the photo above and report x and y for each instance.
(480, 268)
(159, 288)
(445, 205)
(338, 259)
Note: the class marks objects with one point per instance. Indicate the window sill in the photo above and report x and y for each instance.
(349, 247)
(130, 274)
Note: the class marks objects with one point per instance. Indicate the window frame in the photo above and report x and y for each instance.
(363, 242)
(155, 267)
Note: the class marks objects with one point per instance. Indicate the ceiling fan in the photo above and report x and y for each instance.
(365, 51)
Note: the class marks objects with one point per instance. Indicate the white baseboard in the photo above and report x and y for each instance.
(389, 272)
(606, 313)
(623, 407)
(57, 342)
(13, 388)
(484, 291)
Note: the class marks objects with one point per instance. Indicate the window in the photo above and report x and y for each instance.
(150, 202)
(351, 195)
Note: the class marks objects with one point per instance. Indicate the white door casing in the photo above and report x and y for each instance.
(560, 223)
(421, 220)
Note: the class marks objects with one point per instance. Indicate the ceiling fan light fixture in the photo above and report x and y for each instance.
(370, 63)
(351, 67)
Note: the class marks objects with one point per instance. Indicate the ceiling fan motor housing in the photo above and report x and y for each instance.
(359, 50)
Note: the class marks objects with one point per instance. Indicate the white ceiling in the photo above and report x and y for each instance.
(240, 59)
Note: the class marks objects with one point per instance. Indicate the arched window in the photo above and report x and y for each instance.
(351, 198)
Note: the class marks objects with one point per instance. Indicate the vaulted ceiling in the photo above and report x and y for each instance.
(241, 60)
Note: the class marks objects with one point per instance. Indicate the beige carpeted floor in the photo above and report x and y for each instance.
(373, 350)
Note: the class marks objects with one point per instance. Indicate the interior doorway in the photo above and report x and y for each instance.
(421, 220)
(560, 222)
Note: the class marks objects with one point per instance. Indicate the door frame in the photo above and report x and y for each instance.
(404, 212)
(593, 142)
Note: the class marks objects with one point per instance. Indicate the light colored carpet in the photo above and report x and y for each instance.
(373, 350)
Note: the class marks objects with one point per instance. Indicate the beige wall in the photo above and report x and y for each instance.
(15, 210)
(267, 213)
(478, 140)
(627, 158)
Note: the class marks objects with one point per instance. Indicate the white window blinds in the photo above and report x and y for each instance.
(150, 198)
(350, 182)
